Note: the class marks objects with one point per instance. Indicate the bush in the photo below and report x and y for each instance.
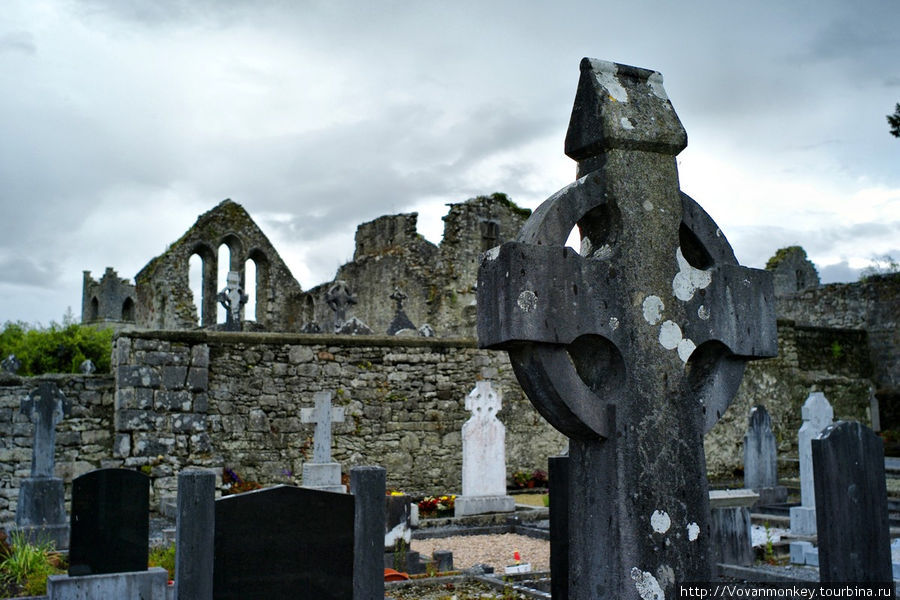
(163, 556)
(57, 348)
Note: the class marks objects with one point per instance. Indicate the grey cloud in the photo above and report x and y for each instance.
(29, 272)
(18, 41)
(838, 273)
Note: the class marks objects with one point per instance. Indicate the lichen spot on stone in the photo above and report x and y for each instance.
(656, 86)
(660, 521)
(688, 279)
(646, 585)
(492, 253)
(693, 531)
(625, 122)
(703, 312)
(669, 335)
(653, 309)
(527, 301)
(613, 323)
(648, 206)
(686, 347)
(605, 72)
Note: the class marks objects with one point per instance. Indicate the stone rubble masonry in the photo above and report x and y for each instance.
(181, 399)
(215, 399)
(83, 439)
(806, 362)
(869, 305)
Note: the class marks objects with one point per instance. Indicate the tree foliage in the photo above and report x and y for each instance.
(57, 348)
(894, 121)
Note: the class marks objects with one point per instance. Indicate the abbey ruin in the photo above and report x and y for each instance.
(183, 392)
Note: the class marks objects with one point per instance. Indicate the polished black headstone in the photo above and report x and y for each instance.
(558, 469)
(284, 542)
(110, 522)
(851, 505)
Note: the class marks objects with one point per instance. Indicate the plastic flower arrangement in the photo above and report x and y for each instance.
(437, 506)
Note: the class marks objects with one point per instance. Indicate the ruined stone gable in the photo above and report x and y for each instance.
(165, 300)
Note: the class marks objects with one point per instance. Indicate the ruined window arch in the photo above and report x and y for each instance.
(94, 312)
(128, 309)
(203, 284)
(490, 234)
(260, 284)
(195, 284)
(223, 256)
(250, 289)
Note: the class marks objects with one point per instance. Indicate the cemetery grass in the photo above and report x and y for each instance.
(24, 567)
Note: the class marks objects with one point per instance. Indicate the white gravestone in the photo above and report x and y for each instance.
(817, 415)
(484, 456)
(322, 473)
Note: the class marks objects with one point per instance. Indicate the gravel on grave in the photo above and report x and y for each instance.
(495, 550)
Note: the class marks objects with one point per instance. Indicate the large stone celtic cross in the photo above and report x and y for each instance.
(635, 346)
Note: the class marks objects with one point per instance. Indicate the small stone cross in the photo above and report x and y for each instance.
(45, 407)
(398, 297)
(339, 298)
(323, 415)
(11, 364)
(635, 346)
(233, 298)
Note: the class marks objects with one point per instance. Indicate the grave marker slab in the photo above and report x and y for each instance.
(110, 523)
(284, 542)
(817, 415)
(634, 347)
(321, 473)
(40, 510)
(761, 458)
(484, 456)
(851, 505)
(290, 542)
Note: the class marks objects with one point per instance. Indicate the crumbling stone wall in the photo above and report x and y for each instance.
(872, 305)
(163, 290)
(833, 361)
(439, 281)
(83, 438)
(792, 271)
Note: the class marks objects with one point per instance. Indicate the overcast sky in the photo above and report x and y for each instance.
(122, 121)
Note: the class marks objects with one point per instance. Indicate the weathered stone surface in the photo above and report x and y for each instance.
(851, 505)
(600, 341)
(760, 453)
(163, 296)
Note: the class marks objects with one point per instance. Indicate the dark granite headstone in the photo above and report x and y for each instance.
(558, 470)
(110, 522)
(851, 505)
(284, 542)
